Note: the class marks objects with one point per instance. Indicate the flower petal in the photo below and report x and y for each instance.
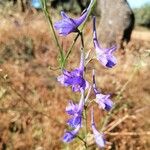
(72, 108)
(99, 138)
(104, 101)
(104, 55)
(64, 15)
(68, 25)
(111, 61)
(75, 121)
(62, 78)
(74, 79)
(70, 135)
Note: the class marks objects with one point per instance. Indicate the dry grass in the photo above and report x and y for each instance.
(32, 103)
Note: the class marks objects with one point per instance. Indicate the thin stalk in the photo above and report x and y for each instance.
(85, 108)
(82, 40)
(146, 133)
(86, 129)
(49, 19)
(70, 49)
(81, 139)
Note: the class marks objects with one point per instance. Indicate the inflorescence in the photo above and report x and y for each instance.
(76, 80)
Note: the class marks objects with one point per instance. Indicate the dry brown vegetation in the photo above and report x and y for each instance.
(32, 103)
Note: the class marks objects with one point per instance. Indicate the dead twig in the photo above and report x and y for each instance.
(128, 133)
(116, 123)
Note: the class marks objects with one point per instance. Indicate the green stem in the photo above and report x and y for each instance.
(70, 49)
(85, 108)
(81, 139)
(82, 40)
(49, 19)
(86, 129)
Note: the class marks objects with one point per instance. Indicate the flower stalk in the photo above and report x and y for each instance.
(85, 107)
(76, 77)
(50, 22)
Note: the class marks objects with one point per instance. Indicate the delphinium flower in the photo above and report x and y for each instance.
(70, 135)
(74, 78)
(75, 111)
(102, 100)
(104, 55)
(99, 137)
(68, 25)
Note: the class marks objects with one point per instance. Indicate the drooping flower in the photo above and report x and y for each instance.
(75, 111)
(99, 137)
(70, 135)
(68, 25)
(102, 100)
(104, 55)
(74, 78)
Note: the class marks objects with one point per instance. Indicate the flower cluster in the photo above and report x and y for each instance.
(76, 80)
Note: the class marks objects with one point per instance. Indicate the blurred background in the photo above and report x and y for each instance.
(32, 103)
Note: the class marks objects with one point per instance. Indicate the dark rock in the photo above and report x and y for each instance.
(116, 23)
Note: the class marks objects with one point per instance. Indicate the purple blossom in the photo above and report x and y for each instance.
(74, 78)
(102, 100)
(70, 135)
(75, 110)
(99, 137)
(104, 55)
(68, 25)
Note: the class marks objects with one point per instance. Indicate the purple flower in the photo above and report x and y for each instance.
(68, 25)
(102, 100)
(104, 55)
(75, 110)
(74, 78)
(99, 137)
(70, 135)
